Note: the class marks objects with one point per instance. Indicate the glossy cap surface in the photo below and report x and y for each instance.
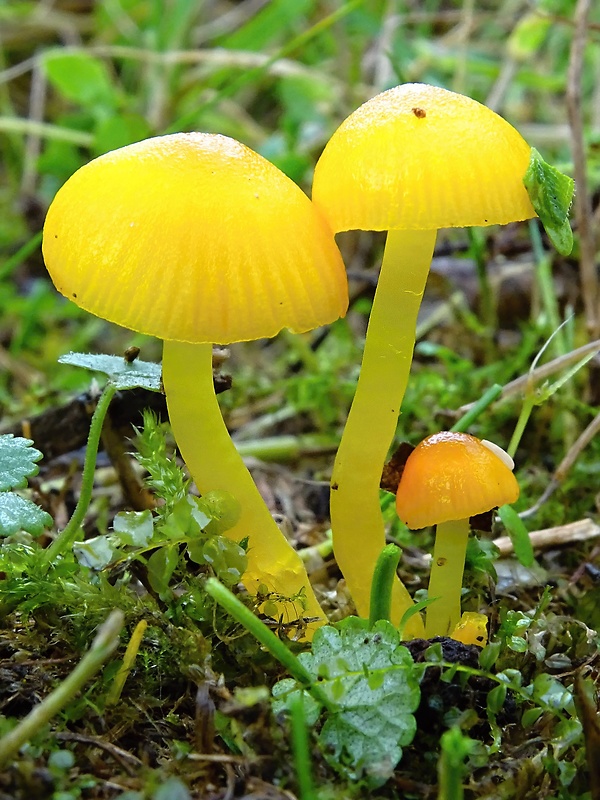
(193, 237)
(419, 157)
(452, 476)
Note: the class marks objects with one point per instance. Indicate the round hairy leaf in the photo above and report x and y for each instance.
(17, 461)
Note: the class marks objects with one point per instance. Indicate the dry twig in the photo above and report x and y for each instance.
(538, 374)
(579, 531)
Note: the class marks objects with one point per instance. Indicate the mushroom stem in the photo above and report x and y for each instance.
(356, 521)
(445, 581)
(214, 463)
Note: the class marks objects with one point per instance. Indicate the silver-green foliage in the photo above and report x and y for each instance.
(372, 684)
(122, 373)
(17, 463)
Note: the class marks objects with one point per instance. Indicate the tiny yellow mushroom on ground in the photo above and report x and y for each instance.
(410, 160)
(194, 238)
(471, 629)
(448, 478)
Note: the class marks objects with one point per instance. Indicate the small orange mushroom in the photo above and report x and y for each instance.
(196, 239)
(448, 478)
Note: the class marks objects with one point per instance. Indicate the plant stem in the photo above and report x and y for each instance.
(69, 533)
(214, 463)
(131, 652)
(31, 126)
(300, 746)
(22, 253)
(547, 291)
(321, 550)
(445, 582)
(285, 447)
(478, 407)
(266, 637)
(356, 521)
(383, 580)
(537, 374)
(529, 402)
(488, 302)
(455, 747)
(104, 644)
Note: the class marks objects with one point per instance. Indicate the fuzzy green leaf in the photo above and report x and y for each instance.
(285, 693)
(96, 553)
(531, 716)
(529, 35)
(551, 195)
(516, 644)
(124, 374)
(227, 559)
(222, 509)
(161, 566)
(117, 131)
(134, 527)
(519, 535)
(372, 682)
(81, 79)
(18, 514)
(17, 461)
(489, 655)
(547, 690)
(496, 698)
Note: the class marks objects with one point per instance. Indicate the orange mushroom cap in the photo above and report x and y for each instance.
(452, 476)
(193, 237)
(418, 157)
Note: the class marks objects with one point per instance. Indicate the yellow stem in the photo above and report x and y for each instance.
(214, 463)
(445, 581)
(356, 521)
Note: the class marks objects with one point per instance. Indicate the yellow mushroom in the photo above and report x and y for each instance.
(471, 629)
(448, 478)
(410, 160)
(195, 238)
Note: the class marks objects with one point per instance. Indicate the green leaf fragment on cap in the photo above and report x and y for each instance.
(551, 193)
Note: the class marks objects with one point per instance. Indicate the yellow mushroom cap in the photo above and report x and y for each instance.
(418, 157)
(193, 237)
(452, 476)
